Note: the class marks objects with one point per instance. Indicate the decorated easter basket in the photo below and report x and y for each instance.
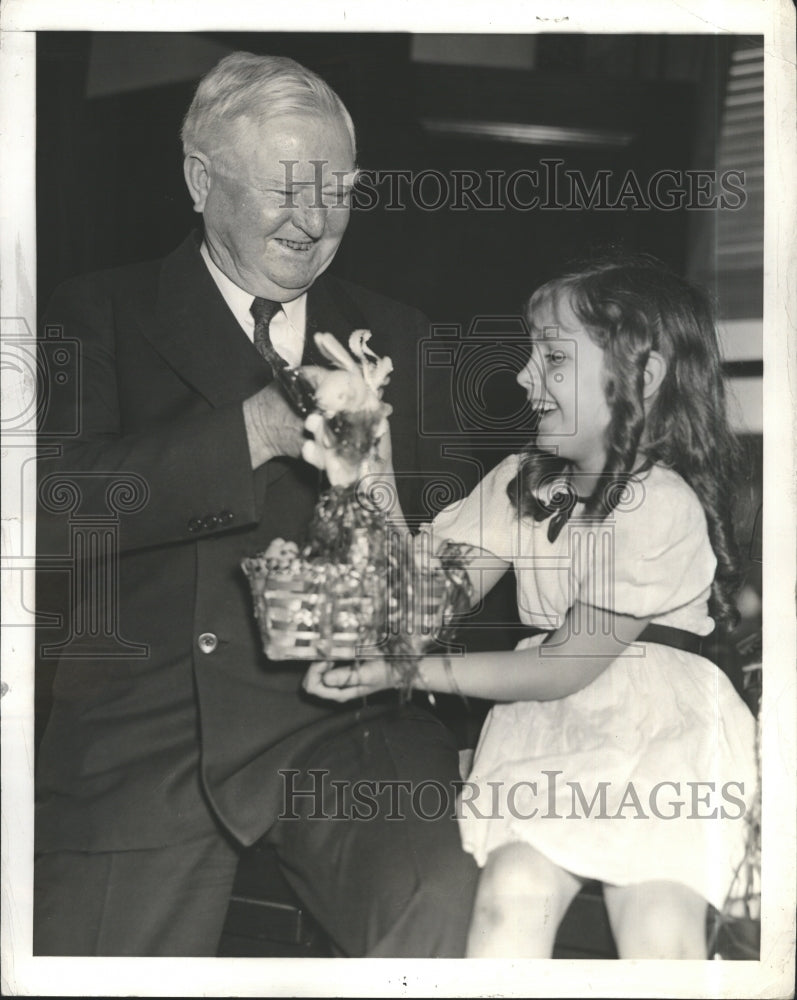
(356, 588)
(372, 598)
(317, 610)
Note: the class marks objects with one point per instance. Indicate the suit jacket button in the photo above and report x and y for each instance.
(207, 642)
(194, 525)
(211, 521)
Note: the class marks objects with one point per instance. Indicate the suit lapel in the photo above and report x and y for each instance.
(198, 336)
(329, 310)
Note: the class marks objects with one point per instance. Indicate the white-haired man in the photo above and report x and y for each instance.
(156, 768)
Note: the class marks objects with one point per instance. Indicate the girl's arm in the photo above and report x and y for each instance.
(586, 643)
(484, 568)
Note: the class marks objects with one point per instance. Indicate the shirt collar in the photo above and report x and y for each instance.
(240, 301)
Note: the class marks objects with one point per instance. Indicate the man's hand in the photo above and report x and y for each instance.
(273, 428)
(344, 683)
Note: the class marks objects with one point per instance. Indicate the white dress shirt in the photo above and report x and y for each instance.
(287, 325)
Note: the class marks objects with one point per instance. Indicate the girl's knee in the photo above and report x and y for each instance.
(520, 901)
(518, 869)
(517, 877)
(658, 920)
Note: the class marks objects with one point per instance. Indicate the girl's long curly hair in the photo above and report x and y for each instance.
(629, 308)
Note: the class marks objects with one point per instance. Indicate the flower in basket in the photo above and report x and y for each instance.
(281, 555)
(350, 417)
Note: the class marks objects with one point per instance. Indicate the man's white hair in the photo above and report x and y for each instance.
(243, 88)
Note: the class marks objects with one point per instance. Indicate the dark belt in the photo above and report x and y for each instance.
(678, 638)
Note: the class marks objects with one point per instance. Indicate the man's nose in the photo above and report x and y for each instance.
(311, 218)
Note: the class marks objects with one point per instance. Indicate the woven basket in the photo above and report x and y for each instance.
(317, 611)
(324, 611)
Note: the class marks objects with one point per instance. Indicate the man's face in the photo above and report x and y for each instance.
(277, 204)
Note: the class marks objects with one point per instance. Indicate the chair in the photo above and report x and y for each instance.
(265, 917)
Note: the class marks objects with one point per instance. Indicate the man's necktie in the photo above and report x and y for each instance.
(263, 311)
(295, 385)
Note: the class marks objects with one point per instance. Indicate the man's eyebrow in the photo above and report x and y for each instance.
(338, 178)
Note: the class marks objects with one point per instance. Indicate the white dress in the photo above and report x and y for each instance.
(649, 772)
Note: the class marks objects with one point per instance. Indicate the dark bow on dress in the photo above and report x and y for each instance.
(561, 502)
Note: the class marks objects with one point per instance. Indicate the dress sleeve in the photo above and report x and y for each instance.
(486, 518)
(651, 558)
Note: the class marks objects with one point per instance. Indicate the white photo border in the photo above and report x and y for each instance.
(773, 975)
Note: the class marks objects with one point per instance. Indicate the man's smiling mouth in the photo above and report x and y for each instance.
(304, 245)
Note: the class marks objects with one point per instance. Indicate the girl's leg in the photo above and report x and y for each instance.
(520, 902)
(657, 920)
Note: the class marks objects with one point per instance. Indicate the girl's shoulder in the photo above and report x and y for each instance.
(661, 556)
(658, 512)
(486, 517)
(664, 493)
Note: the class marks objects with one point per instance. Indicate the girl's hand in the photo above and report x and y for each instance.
(344, 683)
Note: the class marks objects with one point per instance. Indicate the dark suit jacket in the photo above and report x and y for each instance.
(136, 744)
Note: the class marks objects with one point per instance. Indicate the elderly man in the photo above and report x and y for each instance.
(159, 762)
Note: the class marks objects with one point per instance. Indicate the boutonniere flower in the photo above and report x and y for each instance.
(350, 417)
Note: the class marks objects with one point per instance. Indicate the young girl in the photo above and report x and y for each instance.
(615, 750)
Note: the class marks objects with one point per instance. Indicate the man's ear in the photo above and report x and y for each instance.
(655, 370)
(196, 168)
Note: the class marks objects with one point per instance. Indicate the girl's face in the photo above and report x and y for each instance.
(564, 381)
